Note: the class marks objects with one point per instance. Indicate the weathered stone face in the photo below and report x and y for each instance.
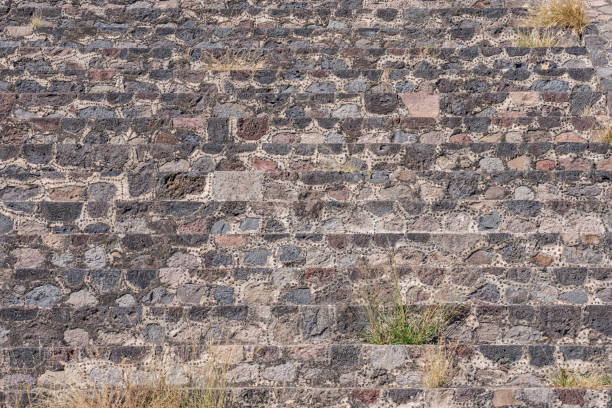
(176, 173)
(237, 186)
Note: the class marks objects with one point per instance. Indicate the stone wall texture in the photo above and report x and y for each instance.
(150, 201)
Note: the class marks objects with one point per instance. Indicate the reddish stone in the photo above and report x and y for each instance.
(266, 353)
(318, 274)
(605, 164)
(576, 164)
(101, 74)
(571, 396)
(555, 97)
(166, 138)
(337, 241)
(43, 99)
(6, 105)
(339, 195)
(352, 52)
(66, 193)
(524, 98)
(284, 138)
(545, 165)
(62, 355)
(245, 24)
(44, 124)
(196, 227)
(503, 398)
(591, 239)
(504, 122)
(230, 240)
(464, 351)
(583, 123)
(188, 123)
(263, 165)
(422, 105)
(479, 258)
(461, 138)
(252, 128)
(520, 163)
(542, 260)
(111, 52)
(366, 395)
(569, 137)
(417, 123)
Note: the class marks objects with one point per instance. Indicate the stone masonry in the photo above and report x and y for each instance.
(148, 200)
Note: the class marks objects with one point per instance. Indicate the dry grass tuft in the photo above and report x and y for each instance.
(567, 378)
(241, 60)
(439, 366)
(560, 13)
(536, 38)
(605, 135)
(206, 387)
(37, 22)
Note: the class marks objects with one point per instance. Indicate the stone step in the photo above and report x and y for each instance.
(424, 77)
(150, 250)
(315, 212)
(204, 281)
(152, 321)
(429, 32)
(200, 13)
(355, 120)
(139, 8)
(553, 190)
(417, 164)
(97, 126)
(281, 396)
(551, 91)
(338, 58)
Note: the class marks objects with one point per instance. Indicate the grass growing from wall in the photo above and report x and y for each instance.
(207, 387)
(605, 135)
(567, 378)
(560, 13)
(393, 320)
(536, 38)
(439, 366)
(232, 60)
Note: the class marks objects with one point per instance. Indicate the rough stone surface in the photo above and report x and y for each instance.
(176, 173)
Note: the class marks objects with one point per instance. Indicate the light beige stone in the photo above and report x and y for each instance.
(237, 186)
(76, 337)
(421, 105)
(504, 398)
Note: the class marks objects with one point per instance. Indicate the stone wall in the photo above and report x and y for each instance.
(148, 201)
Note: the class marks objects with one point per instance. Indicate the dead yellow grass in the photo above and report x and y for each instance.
(242, 60)
(536, 38)
(560, 13)
(439, 365)
(37, 22)
(206, 386)
(605, 135)
(568, 378)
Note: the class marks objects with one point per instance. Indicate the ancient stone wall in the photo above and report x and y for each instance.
(149, 198)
